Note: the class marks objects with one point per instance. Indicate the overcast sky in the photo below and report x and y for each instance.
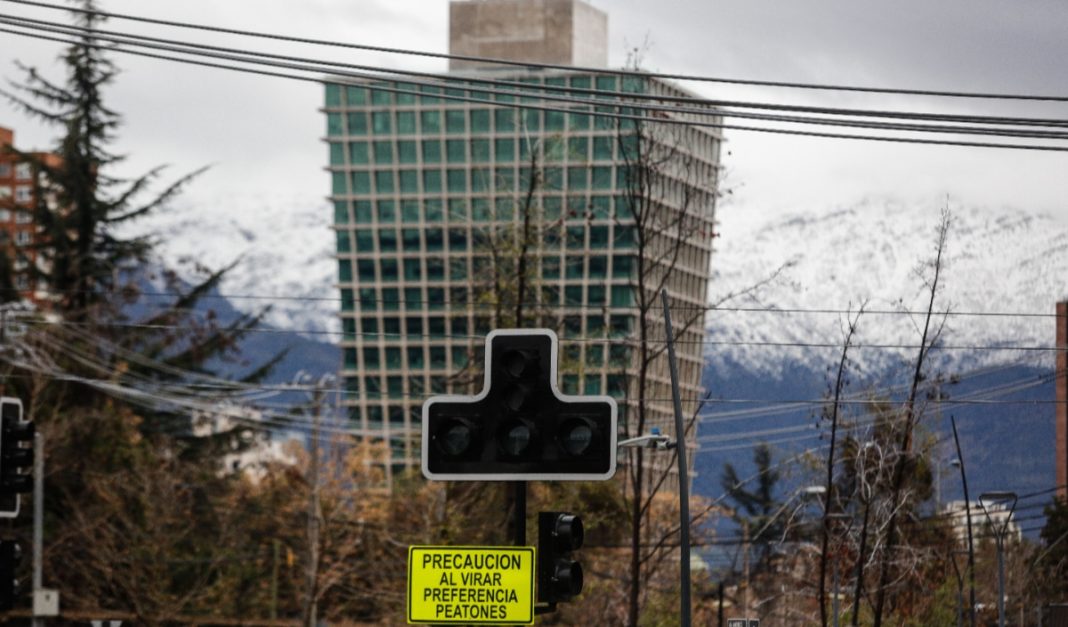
(263, 134)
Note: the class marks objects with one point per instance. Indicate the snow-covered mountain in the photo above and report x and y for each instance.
(878, 251)
(997, 260)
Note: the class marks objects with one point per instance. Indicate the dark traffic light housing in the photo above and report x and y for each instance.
(559, 575)
(520, 427)
(16, 459)
(10, 556)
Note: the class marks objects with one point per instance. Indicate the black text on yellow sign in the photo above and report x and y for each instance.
(471, 585)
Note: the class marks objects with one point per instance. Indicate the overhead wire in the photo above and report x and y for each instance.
(545, 66)
(618, 116)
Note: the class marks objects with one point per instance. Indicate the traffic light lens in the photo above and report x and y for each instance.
(515, 363)
(516, 438)
(576, 437)
(456, 439)
(568, 578)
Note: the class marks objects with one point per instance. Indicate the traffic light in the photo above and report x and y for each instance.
(520, 427)
(16, 460)
(559, 575)
(10, 556)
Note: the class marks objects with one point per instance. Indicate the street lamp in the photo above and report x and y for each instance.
(1004, 501)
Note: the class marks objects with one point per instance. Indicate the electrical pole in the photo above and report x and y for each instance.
(38, 518)
(310, 606)
(684, 487)
(745, 568)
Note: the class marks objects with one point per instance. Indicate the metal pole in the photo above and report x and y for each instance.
(999, 541)
(720, 592)
(684, 488)
(38, 517)
(276, 549)
(519, 513)
(835, 603)
(311, 609)
(968, 515)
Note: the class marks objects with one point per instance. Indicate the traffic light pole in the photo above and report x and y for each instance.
(38, 518)
(519, 513)
(684, 487)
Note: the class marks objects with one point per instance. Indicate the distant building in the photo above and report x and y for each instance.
(19, 189)
(957, 516)
(423, 188)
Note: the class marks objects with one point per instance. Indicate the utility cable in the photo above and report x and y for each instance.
(548, 66)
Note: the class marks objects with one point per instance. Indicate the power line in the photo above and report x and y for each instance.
(518, 89)
(617, 116)
(549, 66)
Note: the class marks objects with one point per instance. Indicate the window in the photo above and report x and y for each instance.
(357, 123)
(480, 150)
(333, 124)
(380, 122)
(358, 153)
(384, 153)
(409, 209)
(23, 193)
(454, 151)
(5, 170)
(505, 150)
(457, 181)
(431, 151)
(387, 240)
(480, 121)
(337, 153)
(361, 182)
(432, 181)
(356, 95)
(362, 211)
(333, 95)
(5, 191)
(430, 122)
(405, 122)
(454, 121)
(504, 120)
(406, 152)
(22, 238)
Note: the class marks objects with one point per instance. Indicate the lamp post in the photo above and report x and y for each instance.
(987, 500)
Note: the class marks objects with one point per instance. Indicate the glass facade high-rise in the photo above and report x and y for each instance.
(437, 191)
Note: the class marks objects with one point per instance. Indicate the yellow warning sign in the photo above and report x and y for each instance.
(473, 585)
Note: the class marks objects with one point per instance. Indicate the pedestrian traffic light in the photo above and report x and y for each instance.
(559, 575)
(16, 459)
(10, 556)
(520, 427)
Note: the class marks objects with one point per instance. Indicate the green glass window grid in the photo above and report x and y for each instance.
(437, 357)
(383, 152)
(348, 329)
(413, 270)
(433, 209)
(601, 207)
(374, 416)
(405, 122)
(410, 240)
(457, 269)
(416, 388)
(369, 325)
(409, 181)
(622, 266)
(532, 120)
(350, 358)
(574, 266)
(365, 269)
(388, 269)
(572, 356)
(572, 295)
(391, 301)
(481, 180)
(387, 210)
(387, 240)
(550, 267)
(576, 237)
(337, 184)
(413, 298)
(553, 149)
(406, 152)
(457, 93)
(432, 181)
(455, 122)
(480, 210)
(337, 153)
(624, 236)
(578, 121)
(482, 325)
(591, 384)
(622, 296)
(604, 122)
(606, 83)
(554, 179)
(435, 269)
(617, 386)
(480, 266)
(428, 89)
(405, 95)
(572, 326)
(381, 98)
(457, 240)
(413, 325)
(457, 210)
(438, 384)
(341, 212)
(395, 390)
(594, 355)
(368, 300)
(343, 243)
(504, 120)
(415, 357)
(526, 146)
(431, 151)
(435, 326)
(550, 295)
(357, 122)
(361, 209)
(504, 209)
(577, 178)
(435, 298)
(457, 181)
(504, 179)
(455, 151)
(383, 182)
(598, 267)
(602, 148)
(602, 177)
(391, 327)
(459, 357)
(361, 182)
(371, 357)
(409, 210)
(372, 387)
(381, 123)
(620, 325)
(480, 121)
(581, 82)
(333, 125)
(553, 206)
(595, 294)
(435, 240)
(458, 325)
(355, 95)
(365, 241)
(598, 237)
(430, 122)
(393, 358)
(348, 302)
(504, 150)
(480, 150)
(577, 148)
(358, 153)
